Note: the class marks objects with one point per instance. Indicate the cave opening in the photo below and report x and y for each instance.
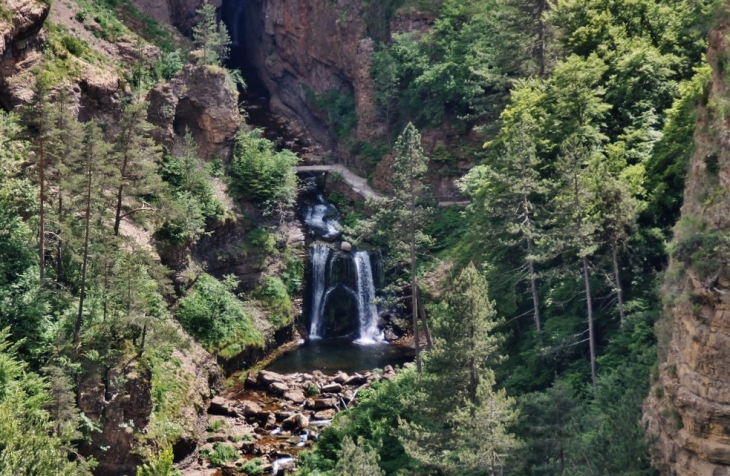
(234, 14)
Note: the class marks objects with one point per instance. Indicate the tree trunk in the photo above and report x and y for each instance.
(426, 328)
(42, 200)
(617, 278)
(59, 245)
(591, 338)
(533, 286)
(87, 220)
(541, 37)
(122, 176)
(414, 299)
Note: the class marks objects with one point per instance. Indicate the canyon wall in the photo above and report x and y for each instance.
(301, 49)
(687, 414)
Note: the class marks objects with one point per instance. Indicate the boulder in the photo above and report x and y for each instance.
(341, 377)
(267, 378)
(322, 403)
(356, 380)
(221, 406)
(296, 396)
(325, 414)
(249, 408)
(296, 422)
(346, 246)
(278, 388)
(252, 379)
(331, 388)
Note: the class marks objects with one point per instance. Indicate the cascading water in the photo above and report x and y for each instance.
(322, 218)
(366, 309)
(320, 254)
(341, 281)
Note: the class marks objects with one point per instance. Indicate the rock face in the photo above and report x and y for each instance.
(196, 99)
(179, 13)
(120, 412)
(312, 46)
(20, 41)
(688, 410)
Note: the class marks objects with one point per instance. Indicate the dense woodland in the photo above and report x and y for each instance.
(542, 294)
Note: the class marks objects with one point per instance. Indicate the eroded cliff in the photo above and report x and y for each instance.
(688, 410)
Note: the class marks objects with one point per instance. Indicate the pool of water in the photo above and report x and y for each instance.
(332, 356)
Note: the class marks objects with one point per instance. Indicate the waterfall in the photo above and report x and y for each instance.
(236, 24)
(367, 311)
(323, 219)
(320, 254)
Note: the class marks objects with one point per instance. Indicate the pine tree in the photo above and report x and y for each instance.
(212, 40)
(399, 220)
(357, 459)
(37, 117)
(93, 174)
(136, 154)
(506, 196)
(460, 423)
(64, 148)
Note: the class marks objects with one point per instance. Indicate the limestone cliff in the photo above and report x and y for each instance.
(688, 410)
(312, 47)
(20, 40)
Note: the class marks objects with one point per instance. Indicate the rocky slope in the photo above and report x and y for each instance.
(688, 410)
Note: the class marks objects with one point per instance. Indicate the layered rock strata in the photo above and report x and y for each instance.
(687, 414)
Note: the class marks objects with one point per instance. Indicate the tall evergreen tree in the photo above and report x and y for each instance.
(399, 219)
(460, 423)
(211, 38)
(358, 459)
(136, 154)
(506, 195)
(93, 174)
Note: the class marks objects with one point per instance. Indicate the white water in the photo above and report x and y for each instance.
(323, 219)
(320, 254)
(366, 309)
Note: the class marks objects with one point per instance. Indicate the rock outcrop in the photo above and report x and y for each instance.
(312, 47)
(688, 410)
(200, 100)
(20, 41)
(179, 13)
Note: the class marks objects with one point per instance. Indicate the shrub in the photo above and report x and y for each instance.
(275, 299)
(212, 314)
(261, 174)
(221, 453)
(253, 467)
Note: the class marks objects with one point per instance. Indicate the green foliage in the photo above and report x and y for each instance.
(701, 247)
(357, 459)
(253, 467)
(274, 297)
(312, 390)
(169, 64)
(214, 426)
(261, 174)
(190, 203)
(217, 318)
(211, 39)
(221, 453)
(161, 466)
(339, 108)
(29, 445)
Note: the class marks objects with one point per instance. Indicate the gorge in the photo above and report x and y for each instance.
(426, 237)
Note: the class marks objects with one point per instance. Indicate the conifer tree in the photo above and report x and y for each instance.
(507, 193)
(399, 219)
(460, 423)
(136, 154)
(358, 459)
(93, 173)
(65, 146)
(212, 39)
(37, 118)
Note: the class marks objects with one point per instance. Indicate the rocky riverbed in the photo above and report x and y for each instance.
(270, 417)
